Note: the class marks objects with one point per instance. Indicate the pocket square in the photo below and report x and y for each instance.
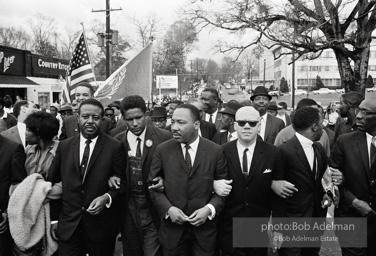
(267, 171)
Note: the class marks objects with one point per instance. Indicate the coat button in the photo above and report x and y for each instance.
(83, 208)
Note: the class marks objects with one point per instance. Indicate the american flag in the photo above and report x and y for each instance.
(79, 70)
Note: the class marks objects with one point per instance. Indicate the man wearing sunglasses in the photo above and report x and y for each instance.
(354, 154)
(252, 164)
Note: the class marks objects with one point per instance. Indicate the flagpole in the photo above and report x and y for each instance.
(92, 69)
(151, 68)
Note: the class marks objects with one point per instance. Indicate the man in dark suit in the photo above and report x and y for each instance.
(282, 113)
(188, 207)
(252, 164)
(70, 127)
(21, 110)
(12, 172)
(305, 163)
(349, 102)
(354, 155)
(227, 123)
(269, 125)
(210, 98)
(140, 221)
(90, 212)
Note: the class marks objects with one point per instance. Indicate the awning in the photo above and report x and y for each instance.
(16, 82)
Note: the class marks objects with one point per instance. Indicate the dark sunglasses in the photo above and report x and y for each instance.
(251, 123)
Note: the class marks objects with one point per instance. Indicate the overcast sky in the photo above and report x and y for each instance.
(17, 13)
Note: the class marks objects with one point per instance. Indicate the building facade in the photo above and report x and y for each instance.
(30, 76)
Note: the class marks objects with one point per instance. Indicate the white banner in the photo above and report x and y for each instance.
(167, 82)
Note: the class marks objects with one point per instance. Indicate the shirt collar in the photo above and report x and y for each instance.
(241, 148)
(305, 142)
(193, 145)
(52, 149)
(265, 116)
(83, 140)
(369, 137)
(132, 138)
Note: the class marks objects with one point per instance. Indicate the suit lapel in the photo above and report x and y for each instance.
(256, 159)
(200, 154)
(268, 124)
(234, 160)
(363, 150)
(97, 149)
(148, 136)
(76, 154)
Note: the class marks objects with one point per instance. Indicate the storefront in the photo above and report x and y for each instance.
(30, 76)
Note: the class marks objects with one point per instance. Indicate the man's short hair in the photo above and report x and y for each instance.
(42, 124)
(353, 98)
(93, 102)
(17, 107)
(87, 85)
(283, 105)
(194, 111)
(132, 101)
(306, 102)
(212, 91)
(304, 118)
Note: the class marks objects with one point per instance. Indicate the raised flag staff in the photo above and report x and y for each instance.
(80, 68)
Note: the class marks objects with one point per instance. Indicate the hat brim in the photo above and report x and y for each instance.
(158, 117)
(267, 95)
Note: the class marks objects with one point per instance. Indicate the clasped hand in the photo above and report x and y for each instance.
(196, 219)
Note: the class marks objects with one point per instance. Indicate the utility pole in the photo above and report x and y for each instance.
(108, 34)
(264, 70)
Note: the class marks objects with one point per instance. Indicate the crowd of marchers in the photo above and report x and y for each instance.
(172, 179)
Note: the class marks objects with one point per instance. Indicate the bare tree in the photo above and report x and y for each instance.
(15, 37)
(303, 27)
(44, 31)
(146, 28)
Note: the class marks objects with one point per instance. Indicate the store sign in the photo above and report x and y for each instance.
(49, 66)
(11, 62)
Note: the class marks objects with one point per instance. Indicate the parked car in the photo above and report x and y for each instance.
(232, 91)
(227, 86)
(275, 93)
(300, 92)
(373, 89)
(340, 90)
(323, 91)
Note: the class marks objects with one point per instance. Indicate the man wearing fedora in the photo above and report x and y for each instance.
(272, 108)
(269, 125)
(227, 120)
(159, 117)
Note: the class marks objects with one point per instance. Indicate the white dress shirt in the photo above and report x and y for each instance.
(214, 116)
(251, 150)
(307, 145)
(22, 132)
(263, 120)
(282, 117)
(369, 142)
(132, 142)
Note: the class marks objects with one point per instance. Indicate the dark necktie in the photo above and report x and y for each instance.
(85, 158)
(211, 118)
(188, 159)
(138, 150)
(245, 163)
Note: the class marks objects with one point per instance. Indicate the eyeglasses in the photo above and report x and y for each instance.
(243, 123)
(364, 112)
